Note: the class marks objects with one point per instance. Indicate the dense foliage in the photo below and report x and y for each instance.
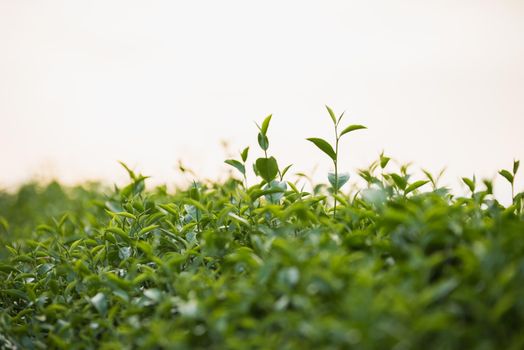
(399, 264)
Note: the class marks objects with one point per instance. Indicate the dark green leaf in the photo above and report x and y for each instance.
(236, 164)
(507, 175)
(489, 186)
(244, 154)
(263, 141)
(400, 181)
(324, 146)
(384, 160)
(267, 168)
(470, 183)
(14, 293)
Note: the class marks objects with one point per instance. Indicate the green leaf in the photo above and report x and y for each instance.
(507, 175)
(147, 229)
(277, 196)
(333, 181)
(244, 154)
(15, 293)
(429, 176)
(99, 301)
(265, 124)
(4, 223)
(286, 170)
(516, 164)
(415, 185)
(259, 193)
(331, 114)
(124, 252)
(57, 342)
(195, 203)
(384, 160)
(129, 171)
(122, 213)
(489, 186)
(399, 181)
(121, 233)
(6, 268)
(324, 146)
(153, 294)
(470, 183)
(194, 192)
(342, 179)
(267, 168)
(352, 128)
(340, 117)
(235, 163)
(170, 208)
(263, 141)
(238, 218)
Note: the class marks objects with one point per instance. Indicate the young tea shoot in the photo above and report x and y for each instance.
(335, 179)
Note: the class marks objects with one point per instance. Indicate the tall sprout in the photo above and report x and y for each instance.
(335, 179)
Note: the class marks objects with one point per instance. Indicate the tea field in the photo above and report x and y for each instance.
(266, 264)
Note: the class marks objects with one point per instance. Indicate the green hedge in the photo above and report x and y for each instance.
(400, 264)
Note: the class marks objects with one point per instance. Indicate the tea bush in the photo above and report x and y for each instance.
(396, 264)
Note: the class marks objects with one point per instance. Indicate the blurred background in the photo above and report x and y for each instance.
(84, 84)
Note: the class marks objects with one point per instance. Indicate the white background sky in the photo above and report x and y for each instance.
(86, 83)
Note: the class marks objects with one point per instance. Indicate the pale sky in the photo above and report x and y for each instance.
(86, 83)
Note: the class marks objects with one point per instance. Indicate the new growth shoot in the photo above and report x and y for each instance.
(335, 179)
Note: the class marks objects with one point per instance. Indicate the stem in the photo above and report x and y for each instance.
(239, 205)
(335, 162)
(197, 210)
(198, 220)
(279, 173)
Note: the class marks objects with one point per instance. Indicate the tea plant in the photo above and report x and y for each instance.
(335, 179)
(226, 265)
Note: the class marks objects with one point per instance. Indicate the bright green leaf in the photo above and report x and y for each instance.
(412, 187)
(265, 125)
(332, 114)
(324, 146)
(351, 128)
